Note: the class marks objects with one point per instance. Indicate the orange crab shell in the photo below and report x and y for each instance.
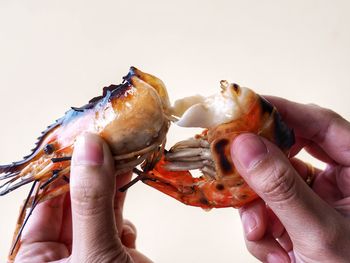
(262, 119)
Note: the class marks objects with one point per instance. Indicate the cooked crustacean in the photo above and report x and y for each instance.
(223, 116)
(131, 117)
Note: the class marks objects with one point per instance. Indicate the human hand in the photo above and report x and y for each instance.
(86, 225)
(294, 222)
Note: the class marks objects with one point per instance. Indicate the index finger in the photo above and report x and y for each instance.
(121, 180)
(45, 222)
(323, 126)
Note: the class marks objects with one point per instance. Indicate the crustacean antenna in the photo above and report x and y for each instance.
(22, 213)
(8, 175)
(54, 176)
(61, 159)
(9, 187)
(18, 181)
(140, 176)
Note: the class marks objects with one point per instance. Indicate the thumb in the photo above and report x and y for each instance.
(269, 173)
(92, 189)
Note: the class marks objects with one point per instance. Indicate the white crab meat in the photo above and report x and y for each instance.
(207, 112)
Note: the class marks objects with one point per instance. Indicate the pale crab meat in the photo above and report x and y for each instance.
(207, 112)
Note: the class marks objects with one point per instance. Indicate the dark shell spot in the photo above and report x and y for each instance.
(65, 178)
(224, 163)
(265, 105)
(284, 136)
(239, 183)
(243, 196)
(236, 87)
(220, 187)
(49, 149)
(220, 145)
(204, 201)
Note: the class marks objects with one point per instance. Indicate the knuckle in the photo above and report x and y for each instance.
(88, 197)
(333, 118)
(330, 119)
(332, 115)
(256, 250)
(325, 112)
(87, 204)
(86, 194)
(279, 183)
(314, 106)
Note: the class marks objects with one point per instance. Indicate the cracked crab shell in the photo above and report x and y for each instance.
(234, 110)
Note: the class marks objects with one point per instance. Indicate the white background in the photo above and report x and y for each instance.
(57, 54)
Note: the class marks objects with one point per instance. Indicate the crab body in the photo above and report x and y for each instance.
(233, 111)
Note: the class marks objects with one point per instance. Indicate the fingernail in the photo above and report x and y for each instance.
(275, 258)
(248, 149)
(88, 150)
(249, 223)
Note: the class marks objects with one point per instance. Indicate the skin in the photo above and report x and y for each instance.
(85, 225)
(293, 222)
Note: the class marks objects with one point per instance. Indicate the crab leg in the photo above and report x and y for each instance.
(184, 166)
(191, 143)
(184, 156)
(203, 191)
